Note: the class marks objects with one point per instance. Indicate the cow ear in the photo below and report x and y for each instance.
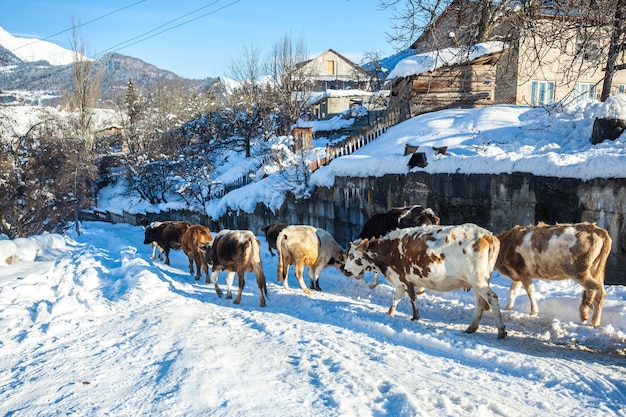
(364, 244)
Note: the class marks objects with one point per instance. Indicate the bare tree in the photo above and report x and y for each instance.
(86, 80)
(290, 81)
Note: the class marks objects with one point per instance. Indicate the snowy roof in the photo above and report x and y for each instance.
(429, 61)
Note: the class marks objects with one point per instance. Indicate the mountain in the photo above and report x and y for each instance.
(33, 50)
(34, 69)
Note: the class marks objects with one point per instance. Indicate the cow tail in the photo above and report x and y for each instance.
(281, 266)
(494, 251)
(600, 261)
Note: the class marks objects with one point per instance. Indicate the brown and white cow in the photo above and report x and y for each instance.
(441, 258)
(578, 251)
(235, 251)
(192, 242)
(301, 246)
(397, 218)
(167, 235)
(271, 234)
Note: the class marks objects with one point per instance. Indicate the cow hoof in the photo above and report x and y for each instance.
(229, 297)
(236, 302)
(502, 334)
(472, 329)
(372, 286)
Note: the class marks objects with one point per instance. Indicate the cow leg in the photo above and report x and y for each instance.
(513, 293)
(299, 270)
(410, 289)
(214, 274)
(167, 256)
(229, 284)
(241, 278)
(598, 303)
(396, 299)
(485, 299)
(530, 290)
(154, 249)
(191, 261)
(593, 293)
(374, 282)
(314, 276)
(260, 281)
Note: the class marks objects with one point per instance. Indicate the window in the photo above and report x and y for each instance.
(621, 88)
(587, 49)
(584, 91)
(330, 67)
(542, 92)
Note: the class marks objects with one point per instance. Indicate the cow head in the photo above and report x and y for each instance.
(358, 261)
(150, 235)
(339, 262)
(209, 252)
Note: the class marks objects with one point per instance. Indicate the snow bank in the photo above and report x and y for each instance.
(9, 253)
(27, 248)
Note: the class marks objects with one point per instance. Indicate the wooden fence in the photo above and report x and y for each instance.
(361, 138)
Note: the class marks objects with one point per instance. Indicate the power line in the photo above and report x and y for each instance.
(77, 26)
(118, 46)
(122, 44)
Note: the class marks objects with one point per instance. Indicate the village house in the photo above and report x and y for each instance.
(509, 76)
(338, 84)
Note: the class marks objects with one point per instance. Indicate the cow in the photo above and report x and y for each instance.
(555, 252)
(235, 251)
(441, 258)
(167, 235)
(310, 246)
(191, 241)
(397, 218)
(271, 234)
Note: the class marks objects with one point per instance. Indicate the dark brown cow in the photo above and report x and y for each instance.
(192, 242)
(271, 234)
(235, 251)
(441, 258)
(167, 235)
(397, 218)
(578, 251)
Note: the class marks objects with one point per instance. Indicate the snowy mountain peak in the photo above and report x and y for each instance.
(32, 50)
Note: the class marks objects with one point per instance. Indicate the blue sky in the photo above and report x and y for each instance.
(201, 46)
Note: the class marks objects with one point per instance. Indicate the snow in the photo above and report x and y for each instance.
(93, 326)
(33, 50)
(429, 61)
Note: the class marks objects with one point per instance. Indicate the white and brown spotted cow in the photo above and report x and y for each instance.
(441, 258)
(192, 242)
(556, 252)
(236, 251)
(397, 218)
(301, 246)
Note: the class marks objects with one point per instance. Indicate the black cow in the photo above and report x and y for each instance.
(271, 234)
(167, 235)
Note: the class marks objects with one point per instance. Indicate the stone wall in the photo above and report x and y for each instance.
(496, 202)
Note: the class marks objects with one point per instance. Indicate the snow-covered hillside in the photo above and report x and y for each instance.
(33, 50)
